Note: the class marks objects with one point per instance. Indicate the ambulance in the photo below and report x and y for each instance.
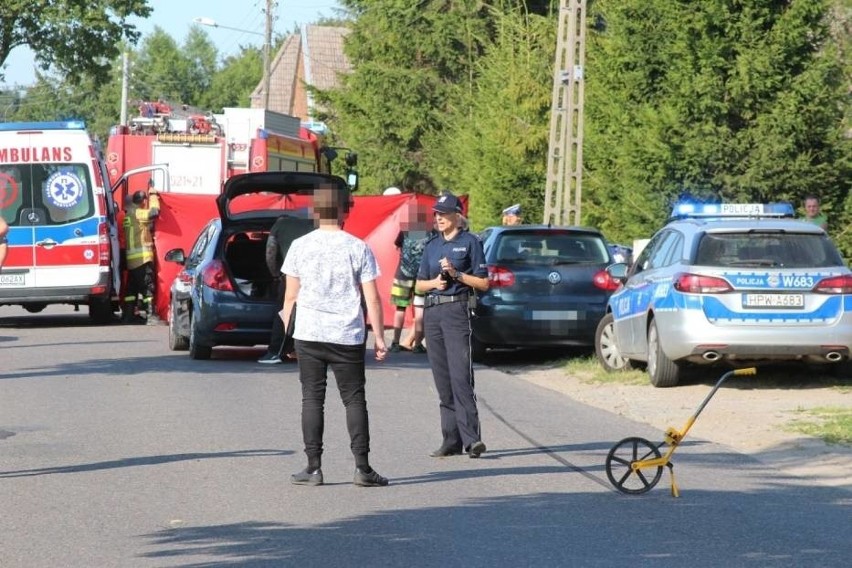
(63, 237)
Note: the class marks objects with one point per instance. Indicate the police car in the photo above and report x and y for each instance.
(736, 283)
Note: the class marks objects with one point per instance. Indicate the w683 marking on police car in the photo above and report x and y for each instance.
(790, 281)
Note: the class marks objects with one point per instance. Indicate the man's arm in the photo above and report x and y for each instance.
(291, 294)
(374, 312)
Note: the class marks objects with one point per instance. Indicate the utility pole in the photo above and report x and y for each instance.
(125, 79)
(267, 48)
(565, 149)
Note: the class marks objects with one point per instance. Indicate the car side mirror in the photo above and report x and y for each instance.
(618, 271)
(176, 255)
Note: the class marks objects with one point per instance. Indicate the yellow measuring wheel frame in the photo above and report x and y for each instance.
(634, 465)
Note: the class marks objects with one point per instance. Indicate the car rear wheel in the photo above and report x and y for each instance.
(197, 351)
(177, 342)
(663, 371)
(606, 348)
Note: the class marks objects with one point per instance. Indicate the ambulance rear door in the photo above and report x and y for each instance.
(49, 200)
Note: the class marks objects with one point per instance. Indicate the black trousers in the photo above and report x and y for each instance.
(140, 281)
(447, 331)
(347, 362)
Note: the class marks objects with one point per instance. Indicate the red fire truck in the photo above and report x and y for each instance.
(187, 154)
(202, 150)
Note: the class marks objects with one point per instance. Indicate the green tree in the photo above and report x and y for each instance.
(233, 83)
(69, 36)
(408, 58)
(733, 100)
(493, 146)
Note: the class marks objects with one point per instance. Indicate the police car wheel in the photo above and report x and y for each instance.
(197, 351)
(662, 371)
(606, 348)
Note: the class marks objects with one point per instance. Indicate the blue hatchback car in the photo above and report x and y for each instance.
(548, 287)
(224, 294)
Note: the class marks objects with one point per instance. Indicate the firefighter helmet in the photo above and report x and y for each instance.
(139, 197)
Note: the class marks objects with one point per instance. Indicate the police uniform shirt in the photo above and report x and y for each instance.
(464, 252)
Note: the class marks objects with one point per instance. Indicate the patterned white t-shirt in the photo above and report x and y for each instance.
(330, 266)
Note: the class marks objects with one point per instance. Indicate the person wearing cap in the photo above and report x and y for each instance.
(512, 215)
(451, 271)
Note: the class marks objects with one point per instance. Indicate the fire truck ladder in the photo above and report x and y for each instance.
(565, 149)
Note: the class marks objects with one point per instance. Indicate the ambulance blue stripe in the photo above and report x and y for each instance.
(23, 236)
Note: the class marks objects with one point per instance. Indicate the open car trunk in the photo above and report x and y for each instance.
(245, 260)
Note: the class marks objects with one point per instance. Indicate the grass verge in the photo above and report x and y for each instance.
(833, 425)
(589, 370)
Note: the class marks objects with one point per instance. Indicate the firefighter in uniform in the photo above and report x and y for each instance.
(139, 253)
(452, 269)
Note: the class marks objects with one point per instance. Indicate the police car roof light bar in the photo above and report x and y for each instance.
(55, 125)
(687, 210)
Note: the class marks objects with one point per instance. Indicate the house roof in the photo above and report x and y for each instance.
(315, 56)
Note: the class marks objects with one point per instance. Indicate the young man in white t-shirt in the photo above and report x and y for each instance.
(332, 275)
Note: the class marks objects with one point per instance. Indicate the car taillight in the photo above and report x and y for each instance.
(103, 244)
(214, 276)
(604, 281)
(696, 284)
(499, 277)
(834, 285)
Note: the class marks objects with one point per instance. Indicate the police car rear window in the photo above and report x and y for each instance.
(782, 250)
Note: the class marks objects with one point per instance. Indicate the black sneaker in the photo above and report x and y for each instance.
(270, 359)
(476, 449)
(372, 479)
(305, 477)
(394, 348)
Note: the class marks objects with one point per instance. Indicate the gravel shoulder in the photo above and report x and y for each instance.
(752, 420)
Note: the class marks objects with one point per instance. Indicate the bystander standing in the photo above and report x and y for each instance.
(813, 214)
(332, 276)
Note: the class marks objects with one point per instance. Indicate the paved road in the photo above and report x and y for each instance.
(116, 452)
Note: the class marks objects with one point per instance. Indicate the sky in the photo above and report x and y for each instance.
(176, 16)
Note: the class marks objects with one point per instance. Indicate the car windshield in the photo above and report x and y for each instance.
(551, 247)
(778, 249)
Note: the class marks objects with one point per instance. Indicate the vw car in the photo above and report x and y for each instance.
(224, 293)
(548, 287)
(741, 284)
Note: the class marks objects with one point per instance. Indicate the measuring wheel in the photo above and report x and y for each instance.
(619, 468)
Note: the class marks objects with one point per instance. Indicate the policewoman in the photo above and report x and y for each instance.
(452, 268)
